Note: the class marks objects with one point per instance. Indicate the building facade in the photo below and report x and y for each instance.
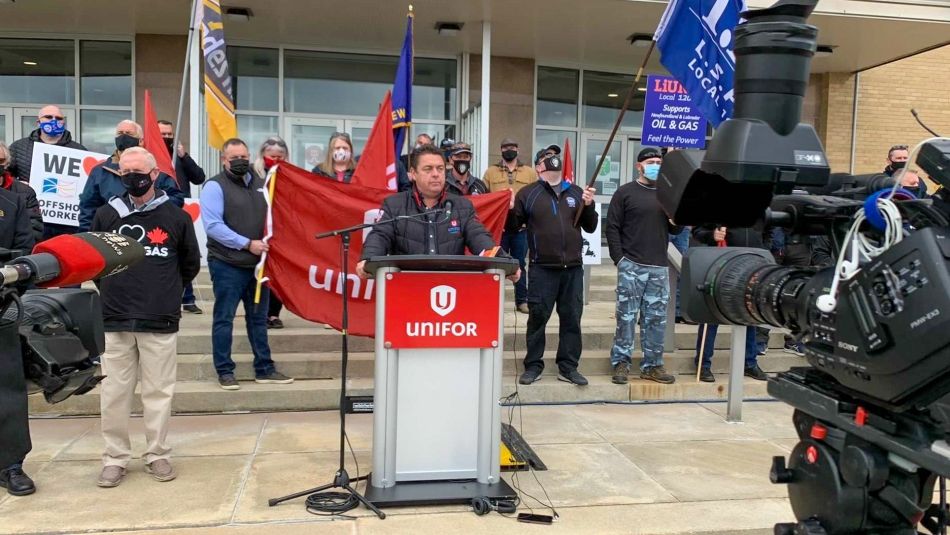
(558, 70)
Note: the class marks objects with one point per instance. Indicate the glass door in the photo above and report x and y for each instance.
(307, 139)
(6, 126)
(612, 174)
(359, 132)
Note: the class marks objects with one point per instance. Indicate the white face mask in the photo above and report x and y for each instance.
(341, 155)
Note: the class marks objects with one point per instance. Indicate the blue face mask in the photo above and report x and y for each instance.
(651, 171)
(53, 127)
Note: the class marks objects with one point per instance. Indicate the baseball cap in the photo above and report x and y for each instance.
(460, 148)
(508, 141)
(647, 153)
(552, 148)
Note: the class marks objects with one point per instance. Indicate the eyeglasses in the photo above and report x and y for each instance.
(344, 135)
(57, 117)
(275, 142)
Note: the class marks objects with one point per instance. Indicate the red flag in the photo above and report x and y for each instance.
(153, 141)
(377, 165)
(568, 164)
(305, 272)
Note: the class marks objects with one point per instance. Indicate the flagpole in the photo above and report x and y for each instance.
(184, 82)
(613, 133)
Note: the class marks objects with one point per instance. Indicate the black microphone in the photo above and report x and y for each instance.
(921, 123)
(448, 209)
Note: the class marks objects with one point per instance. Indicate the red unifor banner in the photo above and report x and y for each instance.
(305, 272)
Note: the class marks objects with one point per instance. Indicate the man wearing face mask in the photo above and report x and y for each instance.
(234, 211)
(51, 129)
(547, 208)
(186, 169)
(460, 180)
(140, 310)
(638, 235)
(897, 158)
(103, 182)
(512, 175)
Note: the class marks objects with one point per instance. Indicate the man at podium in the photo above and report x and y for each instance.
(431, 220)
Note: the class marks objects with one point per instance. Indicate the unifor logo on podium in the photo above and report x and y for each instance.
(442, 300)
(442, 310)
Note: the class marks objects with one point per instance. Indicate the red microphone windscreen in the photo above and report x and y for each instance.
(89, 256)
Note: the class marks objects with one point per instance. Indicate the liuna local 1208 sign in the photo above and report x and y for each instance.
(430, 310)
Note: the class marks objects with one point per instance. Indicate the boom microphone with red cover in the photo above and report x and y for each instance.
(72, 259)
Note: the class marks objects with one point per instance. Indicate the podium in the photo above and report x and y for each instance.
(438, 378)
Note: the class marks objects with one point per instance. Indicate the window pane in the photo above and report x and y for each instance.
(37, 71)
(105, 73)
(604, 94)
(254, 73)
(255, 129)
(557, 96)
(337, 84)
(545, 138)
(98, 129)
(433, 89)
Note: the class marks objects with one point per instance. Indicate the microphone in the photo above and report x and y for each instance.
(71, 259)
(921, 123)
(448, 209)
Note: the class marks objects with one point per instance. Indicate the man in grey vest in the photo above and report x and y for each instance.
(234, 212)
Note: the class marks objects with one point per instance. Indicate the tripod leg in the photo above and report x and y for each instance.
(274, 501)
(364, 501)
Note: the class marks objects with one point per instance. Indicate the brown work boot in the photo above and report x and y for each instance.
(621, 371)
(658, 374)
(161, 470)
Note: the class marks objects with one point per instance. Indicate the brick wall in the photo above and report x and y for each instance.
(885, 96)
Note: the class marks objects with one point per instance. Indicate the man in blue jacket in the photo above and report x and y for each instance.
(104, 182)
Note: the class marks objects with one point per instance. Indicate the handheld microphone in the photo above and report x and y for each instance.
(72, 259)
(448, 209)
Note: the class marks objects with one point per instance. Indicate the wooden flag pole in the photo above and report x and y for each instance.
(613, 133)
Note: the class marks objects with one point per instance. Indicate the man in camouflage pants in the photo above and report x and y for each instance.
(637, 236)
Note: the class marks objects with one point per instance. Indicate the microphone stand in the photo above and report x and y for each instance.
(342, 479)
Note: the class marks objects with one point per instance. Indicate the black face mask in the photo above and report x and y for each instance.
(168, 143)
(239, 167)
(509, 155)
(125, 141)
(137, 184)
(461, 166)
(553, 164)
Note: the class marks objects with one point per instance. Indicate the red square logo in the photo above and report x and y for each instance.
(431, 310)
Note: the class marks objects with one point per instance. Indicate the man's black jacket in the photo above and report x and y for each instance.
(15, 232)
(432, 233)
(548, 212)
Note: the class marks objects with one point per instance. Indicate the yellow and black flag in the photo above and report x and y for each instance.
(219, 96)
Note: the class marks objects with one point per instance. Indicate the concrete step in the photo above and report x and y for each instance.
(326, 365)
(193, 340)
(316, 394)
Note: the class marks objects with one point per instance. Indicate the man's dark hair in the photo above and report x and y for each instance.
(164, 122)
(424, 149)
(231, 142)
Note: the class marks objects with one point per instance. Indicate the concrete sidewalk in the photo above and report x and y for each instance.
(671, 468)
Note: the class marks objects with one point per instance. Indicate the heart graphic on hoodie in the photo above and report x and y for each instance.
(193, 209)
(136, 232)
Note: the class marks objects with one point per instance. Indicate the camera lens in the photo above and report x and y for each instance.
(748, 289)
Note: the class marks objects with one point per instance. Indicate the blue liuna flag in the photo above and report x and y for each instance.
(695, 39)
(402, 91)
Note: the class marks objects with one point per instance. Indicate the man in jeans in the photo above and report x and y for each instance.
(234, 211)
(637, 236)
(140, 312)
(512, 175)
(548, 208)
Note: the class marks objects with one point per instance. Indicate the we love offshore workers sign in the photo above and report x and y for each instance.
(58, 175)
(669, 117)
